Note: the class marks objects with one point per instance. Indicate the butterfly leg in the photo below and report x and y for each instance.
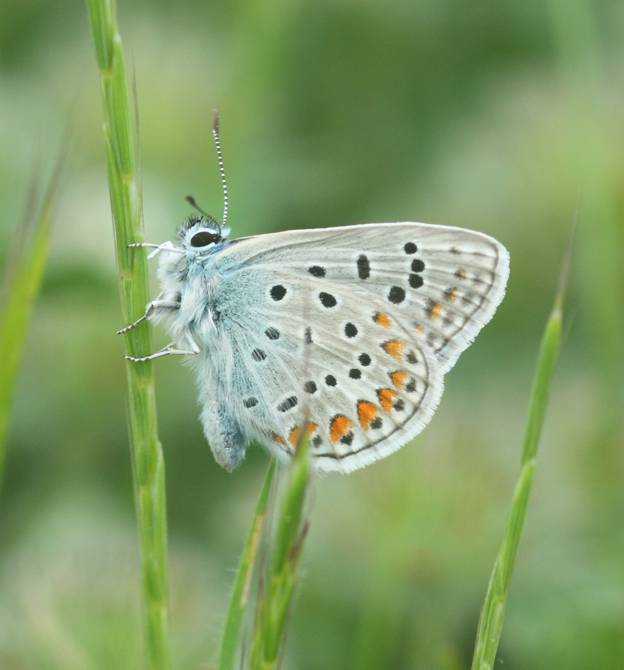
(149, 311)
(157, 248)
(169, 350)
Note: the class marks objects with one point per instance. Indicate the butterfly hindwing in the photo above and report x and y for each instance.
(362, 385)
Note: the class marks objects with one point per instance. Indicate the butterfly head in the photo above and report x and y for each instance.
(201, 235)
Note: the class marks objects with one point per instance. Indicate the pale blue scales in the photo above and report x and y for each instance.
(261, 326)
(347, 330)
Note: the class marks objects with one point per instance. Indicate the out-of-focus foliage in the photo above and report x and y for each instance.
(505, 117)
(19, 288)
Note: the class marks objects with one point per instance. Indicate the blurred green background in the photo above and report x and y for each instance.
(503, 117)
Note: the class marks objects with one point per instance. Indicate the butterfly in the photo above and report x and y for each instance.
(342, 333)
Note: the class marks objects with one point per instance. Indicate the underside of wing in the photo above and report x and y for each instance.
(349, 373)
(351, 330)
(444, 283)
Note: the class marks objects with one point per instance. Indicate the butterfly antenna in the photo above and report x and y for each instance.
(217, 140)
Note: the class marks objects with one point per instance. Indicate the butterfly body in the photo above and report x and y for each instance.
(343, 332)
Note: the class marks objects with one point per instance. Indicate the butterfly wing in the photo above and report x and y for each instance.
(446, 282)
(352, 329)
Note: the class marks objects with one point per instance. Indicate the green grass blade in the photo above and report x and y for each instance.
(274, 604)
(147, 459)
(493, 613)
(292, 515)
(19, 295)
(239, 599)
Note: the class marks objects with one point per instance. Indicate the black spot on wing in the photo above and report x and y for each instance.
(278, 292)
(363, 267)
(348, 438)
(258, 355)
(287, 404)
(272, 333)
(396, 295)
(350, 330)
(415, 281)
(364, 359)
(327, 299)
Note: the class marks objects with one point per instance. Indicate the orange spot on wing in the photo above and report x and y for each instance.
(383, 320)
(367, 413)
(294, 436)
(451, 294)
(436, 311)
(386, 398)
(339, 427)
(278, 439)
(399, 378)
(393, 348)
(295, 433)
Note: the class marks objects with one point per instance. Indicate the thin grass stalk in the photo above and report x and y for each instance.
(148, 466)
(493, 612)
(276, 599)
(27, 260)
(241, 591)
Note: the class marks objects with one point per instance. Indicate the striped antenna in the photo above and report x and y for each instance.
(217, 141)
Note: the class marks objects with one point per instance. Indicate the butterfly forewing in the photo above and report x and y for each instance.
(351, 329)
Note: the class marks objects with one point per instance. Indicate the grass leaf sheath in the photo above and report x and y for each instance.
(147, 458)
(493, 612)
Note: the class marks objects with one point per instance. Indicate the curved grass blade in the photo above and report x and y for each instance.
(239, 599)
(148, 466)
(493, 612)
(275, 602)
(26, 264)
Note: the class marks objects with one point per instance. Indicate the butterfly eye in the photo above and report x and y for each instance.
(204, 238)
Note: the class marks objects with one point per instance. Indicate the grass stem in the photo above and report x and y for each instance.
(493, 612)
(275, 599)
(242, 584)
(148, 465)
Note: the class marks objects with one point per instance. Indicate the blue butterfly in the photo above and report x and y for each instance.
(345, 333)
